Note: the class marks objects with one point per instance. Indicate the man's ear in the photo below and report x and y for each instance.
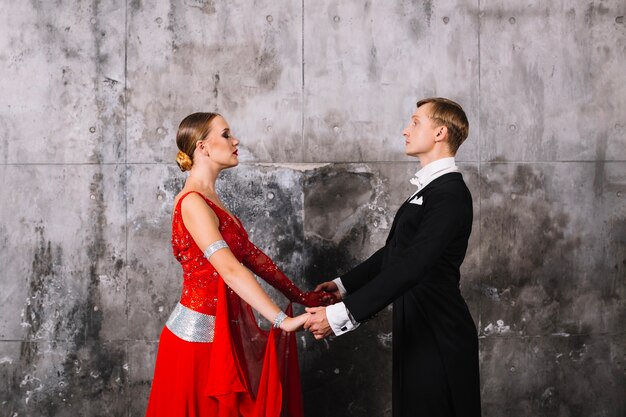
(442, 133)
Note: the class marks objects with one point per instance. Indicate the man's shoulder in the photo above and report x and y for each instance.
(449, 189)
(448, 183)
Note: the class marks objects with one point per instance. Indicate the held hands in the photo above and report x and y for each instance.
(314, 320)
(317, 323)
(293, 324)
(324, 294)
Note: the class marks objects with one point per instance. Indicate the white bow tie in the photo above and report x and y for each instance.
(416, 181)
(422, 182)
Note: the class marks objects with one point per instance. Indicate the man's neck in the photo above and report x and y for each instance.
(427, 159)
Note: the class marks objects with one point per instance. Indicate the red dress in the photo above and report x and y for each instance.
(237, 369)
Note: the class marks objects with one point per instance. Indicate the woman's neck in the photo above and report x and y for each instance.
(203, 179)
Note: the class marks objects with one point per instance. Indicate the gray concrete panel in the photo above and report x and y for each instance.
(141, 361)
(367, 63)
(553, 376)
(62, 82)
(63, 378)
(154, 275)
(63, 248)
(550, 88)
(241, 61)
(553, 248)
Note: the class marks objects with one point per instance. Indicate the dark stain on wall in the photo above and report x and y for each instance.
(268, 68)
(599, 178)
(172, 24)
(373, 67)
(258, 198)
(428, 10)
(98, 34)
(173, 184)
(82, 372)
(206, 6)
(336, 225)
(347, 375)
(216, 79)
(411, 11)
(44, 270)
(529, 251)
(545, 367)
(96, 250)
(593, 10)
(135, 5)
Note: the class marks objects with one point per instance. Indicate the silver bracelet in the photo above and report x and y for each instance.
(214, 247)
(278, 320)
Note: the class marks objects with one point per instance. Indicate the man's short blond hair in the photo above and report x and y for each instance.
(451, 115)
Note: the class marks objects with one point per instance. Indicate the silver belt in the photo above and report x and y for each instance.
(191, 325)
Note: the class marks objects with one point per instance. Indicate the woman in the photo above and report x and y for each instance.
(213, 359)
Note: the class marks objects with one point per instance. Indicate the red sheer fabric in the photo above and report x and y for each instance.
(246, 371)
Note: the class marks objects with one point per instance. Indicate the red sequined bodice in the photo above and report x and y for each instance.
(200, 277)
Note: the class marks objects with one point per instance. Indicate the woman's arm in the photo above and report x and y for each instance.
(203, 225)
(263, 266)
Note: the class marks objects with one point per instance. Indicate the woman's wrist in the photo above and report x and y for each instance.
(285, 324)
(279, 319)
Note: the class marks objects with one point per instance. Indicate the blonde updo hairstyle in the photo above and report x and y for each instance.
(192, 129)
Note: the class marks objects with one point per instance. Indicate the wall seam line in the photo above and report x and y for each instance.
(126, 176)
(480, 198)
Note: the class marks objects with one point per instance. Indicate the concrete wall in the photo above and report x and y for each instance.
(318, 92)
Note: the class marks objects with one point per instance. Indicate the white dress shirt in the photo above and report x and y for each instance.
(339, 318)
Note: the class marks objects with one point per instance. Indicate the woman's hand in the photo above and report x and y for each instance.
(319, 298)
(331, 287)
(293, 324)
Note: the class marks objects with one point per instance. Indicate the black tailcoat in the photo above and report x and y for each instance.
(435, 343)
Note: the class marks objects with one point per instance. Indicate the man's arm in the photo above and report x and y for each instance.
(355, 278)
(337, 319)
(363, 272)
(442, 221)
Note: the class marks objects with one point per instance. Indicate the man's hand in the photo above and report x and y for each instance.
(317, 322)
(331, 287)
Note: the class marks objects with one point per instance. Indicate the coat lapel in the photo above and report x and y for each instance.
(400, 210)
(438, 180)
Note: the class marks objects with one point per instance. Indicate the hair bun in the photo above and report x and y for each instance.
(184, 161)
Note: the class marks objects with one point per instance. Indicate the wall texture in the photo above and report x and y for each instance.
(318, 92)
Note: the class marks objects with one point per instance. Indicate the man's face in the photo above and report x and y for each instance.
(420, 133)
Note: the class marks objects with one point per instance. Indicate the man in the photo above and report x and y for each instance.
(435, 343)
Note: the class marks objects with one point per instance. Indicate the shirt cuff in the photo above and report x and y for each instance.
(340, 319)
(342, 289)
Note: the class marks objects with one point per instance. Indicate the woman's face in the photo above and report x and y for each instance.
(220, 144)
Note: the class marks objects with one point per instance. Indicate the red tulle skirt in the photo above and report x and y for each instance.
(180, 379)
(244, 372)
